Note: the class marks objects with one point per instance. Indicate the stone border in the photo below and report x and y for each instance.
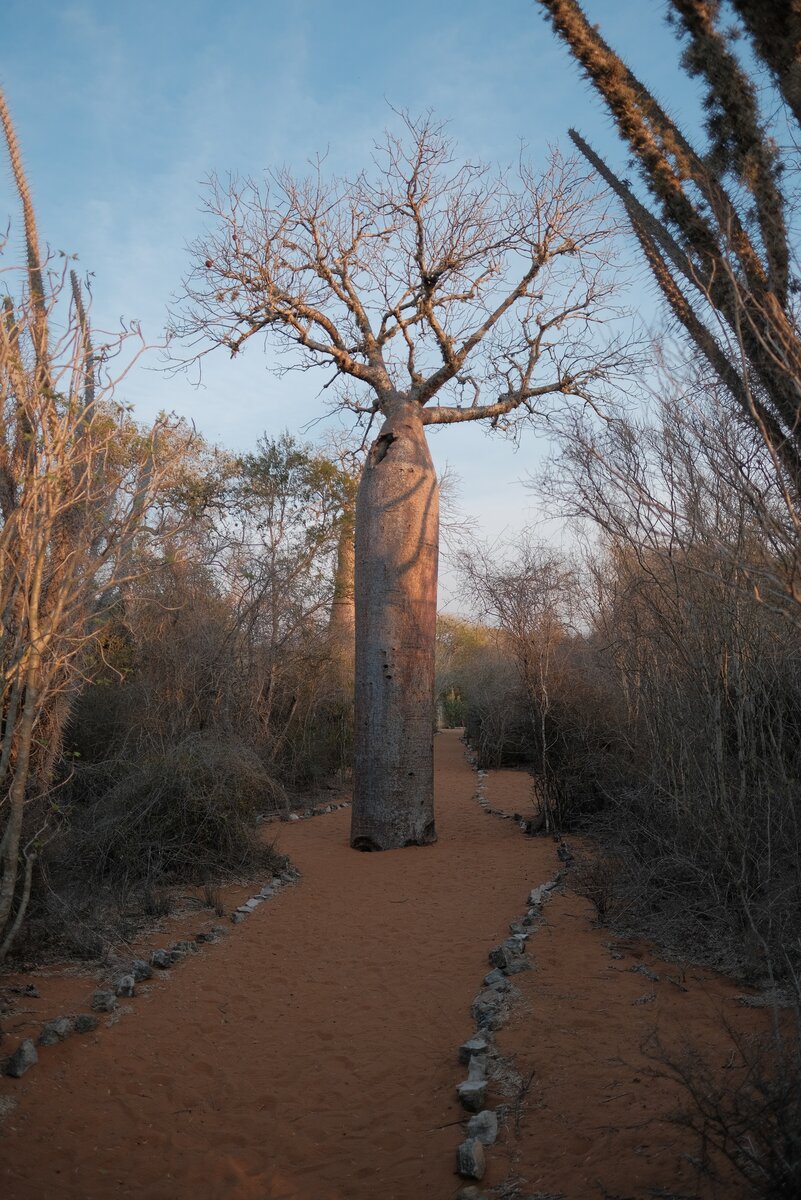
(304, 814)
(490, 1010)
(121, 984)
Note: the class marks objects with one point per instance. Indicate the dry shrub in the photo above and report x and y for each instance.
(596, 878)
(186, 814)
(751, 1118)
(496, 717)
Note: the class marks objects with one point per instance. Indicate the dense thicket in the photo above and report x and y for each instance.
(214, 692)
(654, 688)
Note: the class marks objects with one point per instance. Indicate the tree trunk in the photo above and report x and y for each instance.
(12, 836)
(397, 544)
(342, 625)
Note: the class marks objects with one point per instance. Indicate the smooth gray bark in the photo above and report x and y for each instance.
(397, 543)
(342, 625)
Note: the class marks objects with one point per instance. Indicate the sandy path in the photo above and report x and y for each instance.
(310, 1056)
(595, 1121)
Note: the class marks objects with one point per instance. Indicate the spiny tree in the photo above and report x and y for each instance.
(717, 237)
(76, 482)
(439, 292)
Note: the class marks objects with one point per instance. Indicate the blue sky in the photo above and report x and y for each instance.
(122, 109)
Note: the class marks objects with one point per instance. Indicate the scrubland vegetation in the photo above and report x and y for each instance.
(213, 692)
(177, 621)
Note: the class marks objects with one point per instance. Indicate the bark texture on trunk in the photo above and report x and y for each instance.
(342, 625)
(397, 542)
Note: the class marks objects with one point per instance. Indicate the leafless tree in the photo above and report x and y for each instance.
(693, 624)
(524, 590)
(437, 292)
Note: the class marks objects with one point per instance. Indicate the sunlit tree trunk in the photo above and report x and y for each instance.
(397, 536)
(423, 286)
(342, 625)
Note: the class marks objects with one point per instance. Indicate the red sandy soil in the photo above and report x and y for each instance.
(312, 1054)
(594, 1117)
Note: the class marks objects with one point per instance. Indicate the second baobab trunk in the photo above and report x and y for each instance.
(342, 624)
(397, 534)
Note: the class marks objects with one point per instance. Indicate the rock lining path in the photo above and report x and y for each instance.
(313, 1053)
(310, 1056)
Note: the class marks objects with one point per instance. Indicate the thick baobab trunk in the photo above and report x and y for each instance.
(342, 625)
(397, 543)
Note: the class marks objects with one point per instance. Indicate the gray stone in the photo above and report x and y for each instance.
(29, 990)
(182, 948)
(238, 916)
(517, 965)
(486, 1005)
(489, 1020)
(472, 1094)
(470, 1162)
(141, 970)
(642, 969)
(477, 1067)
(501, 956)
(294, 817)
(161, 959)
(484, 1126)
(104, 1002)
(210, 936)
(55, 1031)
(21, 1060)
(267, 893)
(475, 1045)
(125, 986)
(538, 894)
(470, 1193)
(219, 931)
(85, 1023)
(253, 902)
(495, 978)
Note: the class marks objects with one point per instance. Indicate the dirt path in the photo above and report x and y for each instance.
(312, 1054)
(596, 1118)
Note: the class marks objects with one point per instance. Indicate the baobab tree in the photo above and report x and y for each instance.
(437, 292)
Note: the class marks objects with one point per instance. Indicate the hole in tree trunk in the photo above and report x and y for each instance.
(382, 445)
(364, 843)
